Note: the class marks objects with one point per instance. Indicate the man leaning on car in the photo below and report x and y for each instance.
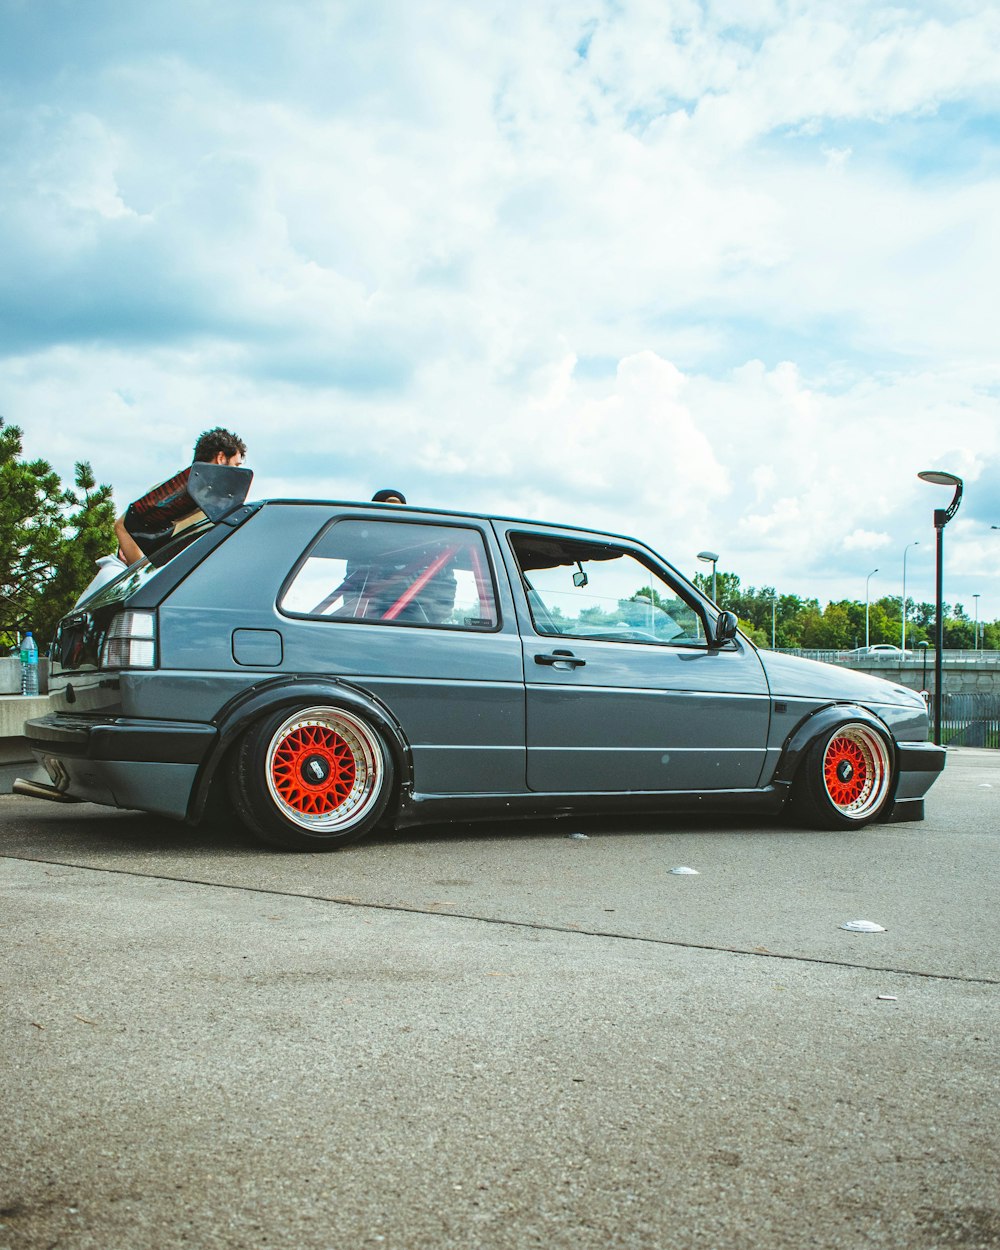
(215, 446)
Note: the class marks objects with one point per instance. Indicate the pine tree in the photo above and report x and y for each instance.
(50, 538)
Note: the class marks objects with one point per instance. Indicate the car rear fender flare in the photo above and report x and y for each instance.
(821, 721)
(250, 705)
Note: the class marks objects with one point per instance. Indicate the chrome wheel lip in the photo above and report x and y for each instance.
(877, 763)
(368, 765)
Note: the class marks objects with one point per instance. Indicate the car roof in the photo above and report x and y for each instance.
(402, 509)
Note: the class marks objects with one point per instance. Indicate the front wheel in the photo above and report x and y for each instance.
(312, 779)
(846, 779)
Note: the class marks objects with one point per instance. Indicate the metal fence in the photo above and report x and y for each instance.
(891, 659)
(970, 720)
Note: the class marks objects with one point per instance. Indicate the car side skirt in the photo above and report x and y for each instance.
(420, 809)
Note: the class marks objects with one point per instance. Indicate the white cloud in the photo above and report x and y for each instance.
(716, 277)
(866, 540)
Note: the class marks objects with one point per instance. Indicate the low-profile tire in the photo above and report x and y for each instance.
(311, 778)
(847, 778)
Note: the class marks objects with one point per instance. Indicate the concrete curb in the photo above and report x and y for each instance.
(15, 709)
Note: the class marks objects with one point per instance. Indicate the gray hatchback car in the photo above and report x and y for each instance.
(326, 668)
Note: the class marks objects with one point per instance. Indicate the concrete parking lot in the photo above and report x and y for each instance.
(503, 1036)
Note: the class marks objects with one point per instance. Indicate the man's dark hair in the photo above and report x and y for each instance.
(212, 442)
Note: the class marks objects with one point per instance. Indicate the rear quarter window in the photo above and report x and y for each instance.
(395, 573)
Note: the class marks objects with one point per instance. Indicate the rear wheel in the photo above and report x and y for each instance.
(311, 779)
(846, 779)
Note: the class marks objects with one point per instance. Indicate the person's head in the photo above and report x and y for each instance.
(388, 496)
(219, 446)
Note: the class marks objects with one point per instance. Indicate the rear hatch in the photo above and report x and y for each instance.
(115, 628)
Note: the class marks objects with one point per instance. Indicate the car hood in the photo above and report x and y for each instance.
(790, 676)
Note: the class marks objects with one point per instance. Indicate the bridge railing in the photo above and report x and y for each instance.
(889, 659)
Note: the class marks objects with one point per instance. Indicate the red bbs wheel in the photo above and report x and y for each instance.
(846, 778)
(313, 778)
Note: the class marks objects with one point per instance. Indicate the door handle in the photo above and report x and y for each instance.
(561, 657)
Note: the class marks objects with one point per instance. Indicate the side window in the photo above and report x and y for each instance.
(399, 573)
(595, 590)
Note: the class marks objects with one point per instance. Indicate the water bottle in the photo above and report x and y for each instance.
(29, 665)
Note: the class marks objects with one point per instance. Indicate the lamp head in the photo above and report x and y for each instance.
(709, 557)
(938, 477)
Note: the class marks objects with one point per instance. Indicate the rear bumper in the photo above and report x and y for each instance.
(121, 762)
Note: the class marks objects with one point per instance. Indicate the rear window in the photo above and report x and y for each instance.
(395, 573)
(128, 582)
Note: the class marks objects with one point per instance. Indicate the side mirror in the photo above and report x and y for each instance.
(726, 626)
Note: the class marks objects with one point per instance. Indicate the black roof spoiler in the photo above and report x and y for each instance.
(214, 490)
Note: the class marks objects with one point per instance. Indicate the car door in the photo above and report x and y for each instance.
(623, 690)
(406, 605)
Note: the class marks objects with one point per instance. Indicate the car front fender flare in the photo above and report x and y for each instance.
(269, 696)
(822, 721)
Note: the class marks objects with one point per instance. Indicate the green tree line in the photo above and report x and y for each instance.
(50, 539)
(840, 626)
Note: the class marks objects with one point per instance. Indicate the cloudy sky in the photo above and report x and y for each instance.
(719, 275)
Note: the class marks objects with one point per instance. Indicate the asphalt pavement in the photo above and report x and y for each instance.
(503, 1036)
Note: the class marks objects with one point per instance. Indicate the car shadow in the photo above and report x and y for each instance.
(567, 826)
(94, 829)
(31, 822)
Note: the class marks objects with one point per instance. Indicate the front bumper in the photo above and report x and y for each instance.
(143, 764)
(919, 765)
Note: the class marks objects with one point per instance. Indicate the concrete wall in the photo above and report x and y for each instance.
(10, 674)
(958, 676)
(15, 709)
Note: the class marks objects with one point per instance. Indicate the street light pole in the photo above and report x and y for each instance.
(712, 558)
(774, 605)
(937, 477)
(867, 584)
(975, 637)
(902, 644)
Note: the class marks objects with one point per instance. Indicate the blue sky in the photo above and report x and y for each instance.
(718, 275)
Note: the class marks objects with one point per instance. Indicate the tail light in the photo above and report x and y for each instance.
(130, 641)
